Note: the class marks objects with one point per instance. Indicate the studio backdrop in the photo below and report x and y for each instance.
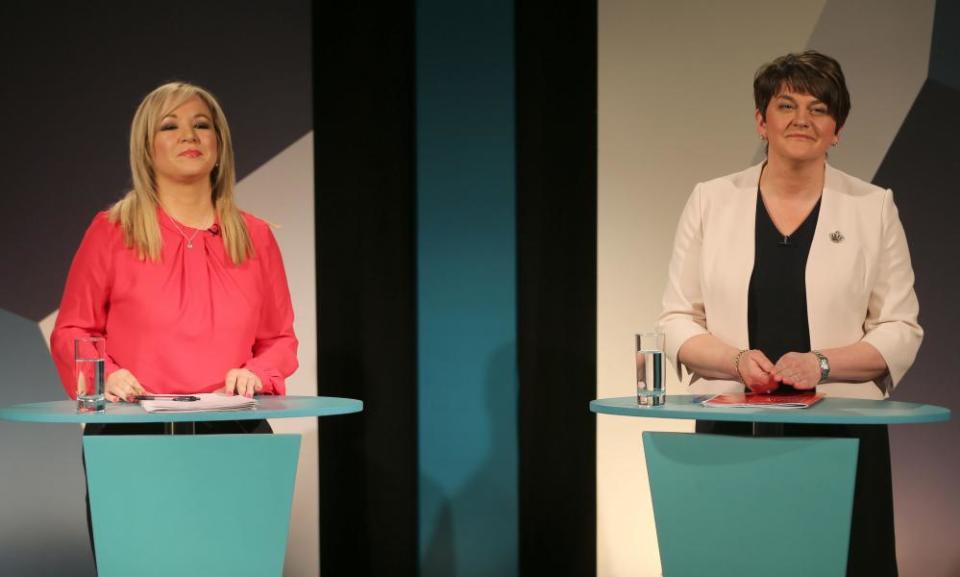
(676, 108)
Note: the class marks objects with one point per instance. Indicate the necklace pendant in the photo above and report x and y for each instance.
(189, 244)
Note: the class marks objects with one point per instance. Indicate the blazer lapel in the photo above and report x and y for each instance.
(743, 250)
(820, 264)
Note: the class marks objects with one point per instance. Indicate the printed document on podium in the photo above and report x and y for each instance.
(204, 402)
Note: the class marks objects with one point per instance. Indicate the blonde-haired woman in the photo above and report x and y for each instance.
(189, 292)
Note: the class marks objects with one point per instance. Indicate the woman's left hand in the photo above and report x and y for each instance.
(242, 382)
(799, 370)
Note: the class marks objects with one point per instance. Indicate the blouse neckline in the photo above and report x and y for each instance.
(167, 222)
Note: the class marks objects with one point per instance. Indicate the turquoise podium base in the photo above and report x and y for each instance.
(747, 506)
(206, 505)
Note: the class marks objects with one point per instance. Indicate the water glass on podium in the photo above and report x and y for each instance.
(650, 374)
(89, 358)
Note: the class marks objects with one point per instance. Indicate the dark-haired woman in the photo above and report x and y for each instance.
(792, 275)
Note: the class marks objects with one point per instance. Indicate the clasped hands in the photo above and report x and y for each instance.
(122, 385)
(799, 370)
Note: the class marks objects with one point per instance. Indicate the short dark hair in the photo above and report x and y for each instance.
(808, 72)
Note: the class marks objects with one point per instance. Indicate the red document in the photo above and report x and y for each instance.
(751, 400)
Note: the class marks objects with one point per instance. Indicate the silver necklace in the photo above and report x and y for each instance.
(190, 238)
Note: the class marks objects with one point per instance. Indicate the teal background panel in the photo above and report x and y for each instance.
(205, 505)
(466, 289)
(748, 506)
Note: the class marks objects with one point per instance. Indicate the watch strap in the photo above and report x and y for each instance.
(824, 365)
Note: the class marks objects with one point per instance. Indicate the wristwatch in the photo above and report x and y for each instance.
(824, 365)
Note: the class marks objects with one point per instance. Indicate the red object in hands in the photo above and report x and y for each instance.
(766, 388)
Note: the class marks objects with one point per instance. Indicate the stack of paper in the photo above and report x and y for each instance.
(204, 402)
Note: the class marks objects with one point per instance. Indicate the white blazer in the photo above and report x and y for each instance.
(858, 289)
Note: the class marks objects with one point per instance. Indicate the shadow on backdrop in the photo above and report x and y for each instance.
(475, 528)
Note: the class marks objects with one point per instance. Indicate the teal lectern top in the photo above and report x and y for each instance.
(268, 407)
(189, 505)
(829, 411)
(720, 500)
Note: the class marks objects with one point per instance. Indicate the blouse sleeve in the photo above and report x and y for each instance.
(683, 314)
(85, 302)
(891, 325)
(275, 346)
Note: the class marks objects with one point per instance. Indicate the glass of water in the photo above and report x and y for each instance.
(650, 374)
(89, 357)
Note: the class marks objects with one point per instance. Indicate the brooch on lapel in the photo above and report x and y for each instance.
(836, 236)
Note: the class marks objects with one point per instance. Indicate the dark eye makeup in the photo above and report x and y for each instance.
(200, 125)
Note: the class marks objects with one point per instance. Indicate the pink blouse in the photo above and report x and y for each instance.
(181, 323)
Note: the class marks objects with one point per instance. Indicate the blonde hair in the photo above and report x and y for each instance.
(137, 210)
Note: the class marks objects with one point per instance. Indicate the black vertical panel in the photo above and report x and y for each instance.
(556, 71)
(365, 192)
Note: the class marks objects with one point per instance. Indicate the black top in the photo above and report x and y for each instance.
(777, 300)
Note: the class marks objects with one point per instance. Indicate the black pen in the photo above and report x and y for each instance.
(184, 398)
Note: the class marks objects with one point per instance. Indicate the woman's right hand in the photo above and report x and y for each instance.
(756, 371)
(121, 385)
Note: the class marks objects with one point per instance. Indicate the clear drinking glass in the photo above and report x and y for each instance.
(89, 357)
(650, 375)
